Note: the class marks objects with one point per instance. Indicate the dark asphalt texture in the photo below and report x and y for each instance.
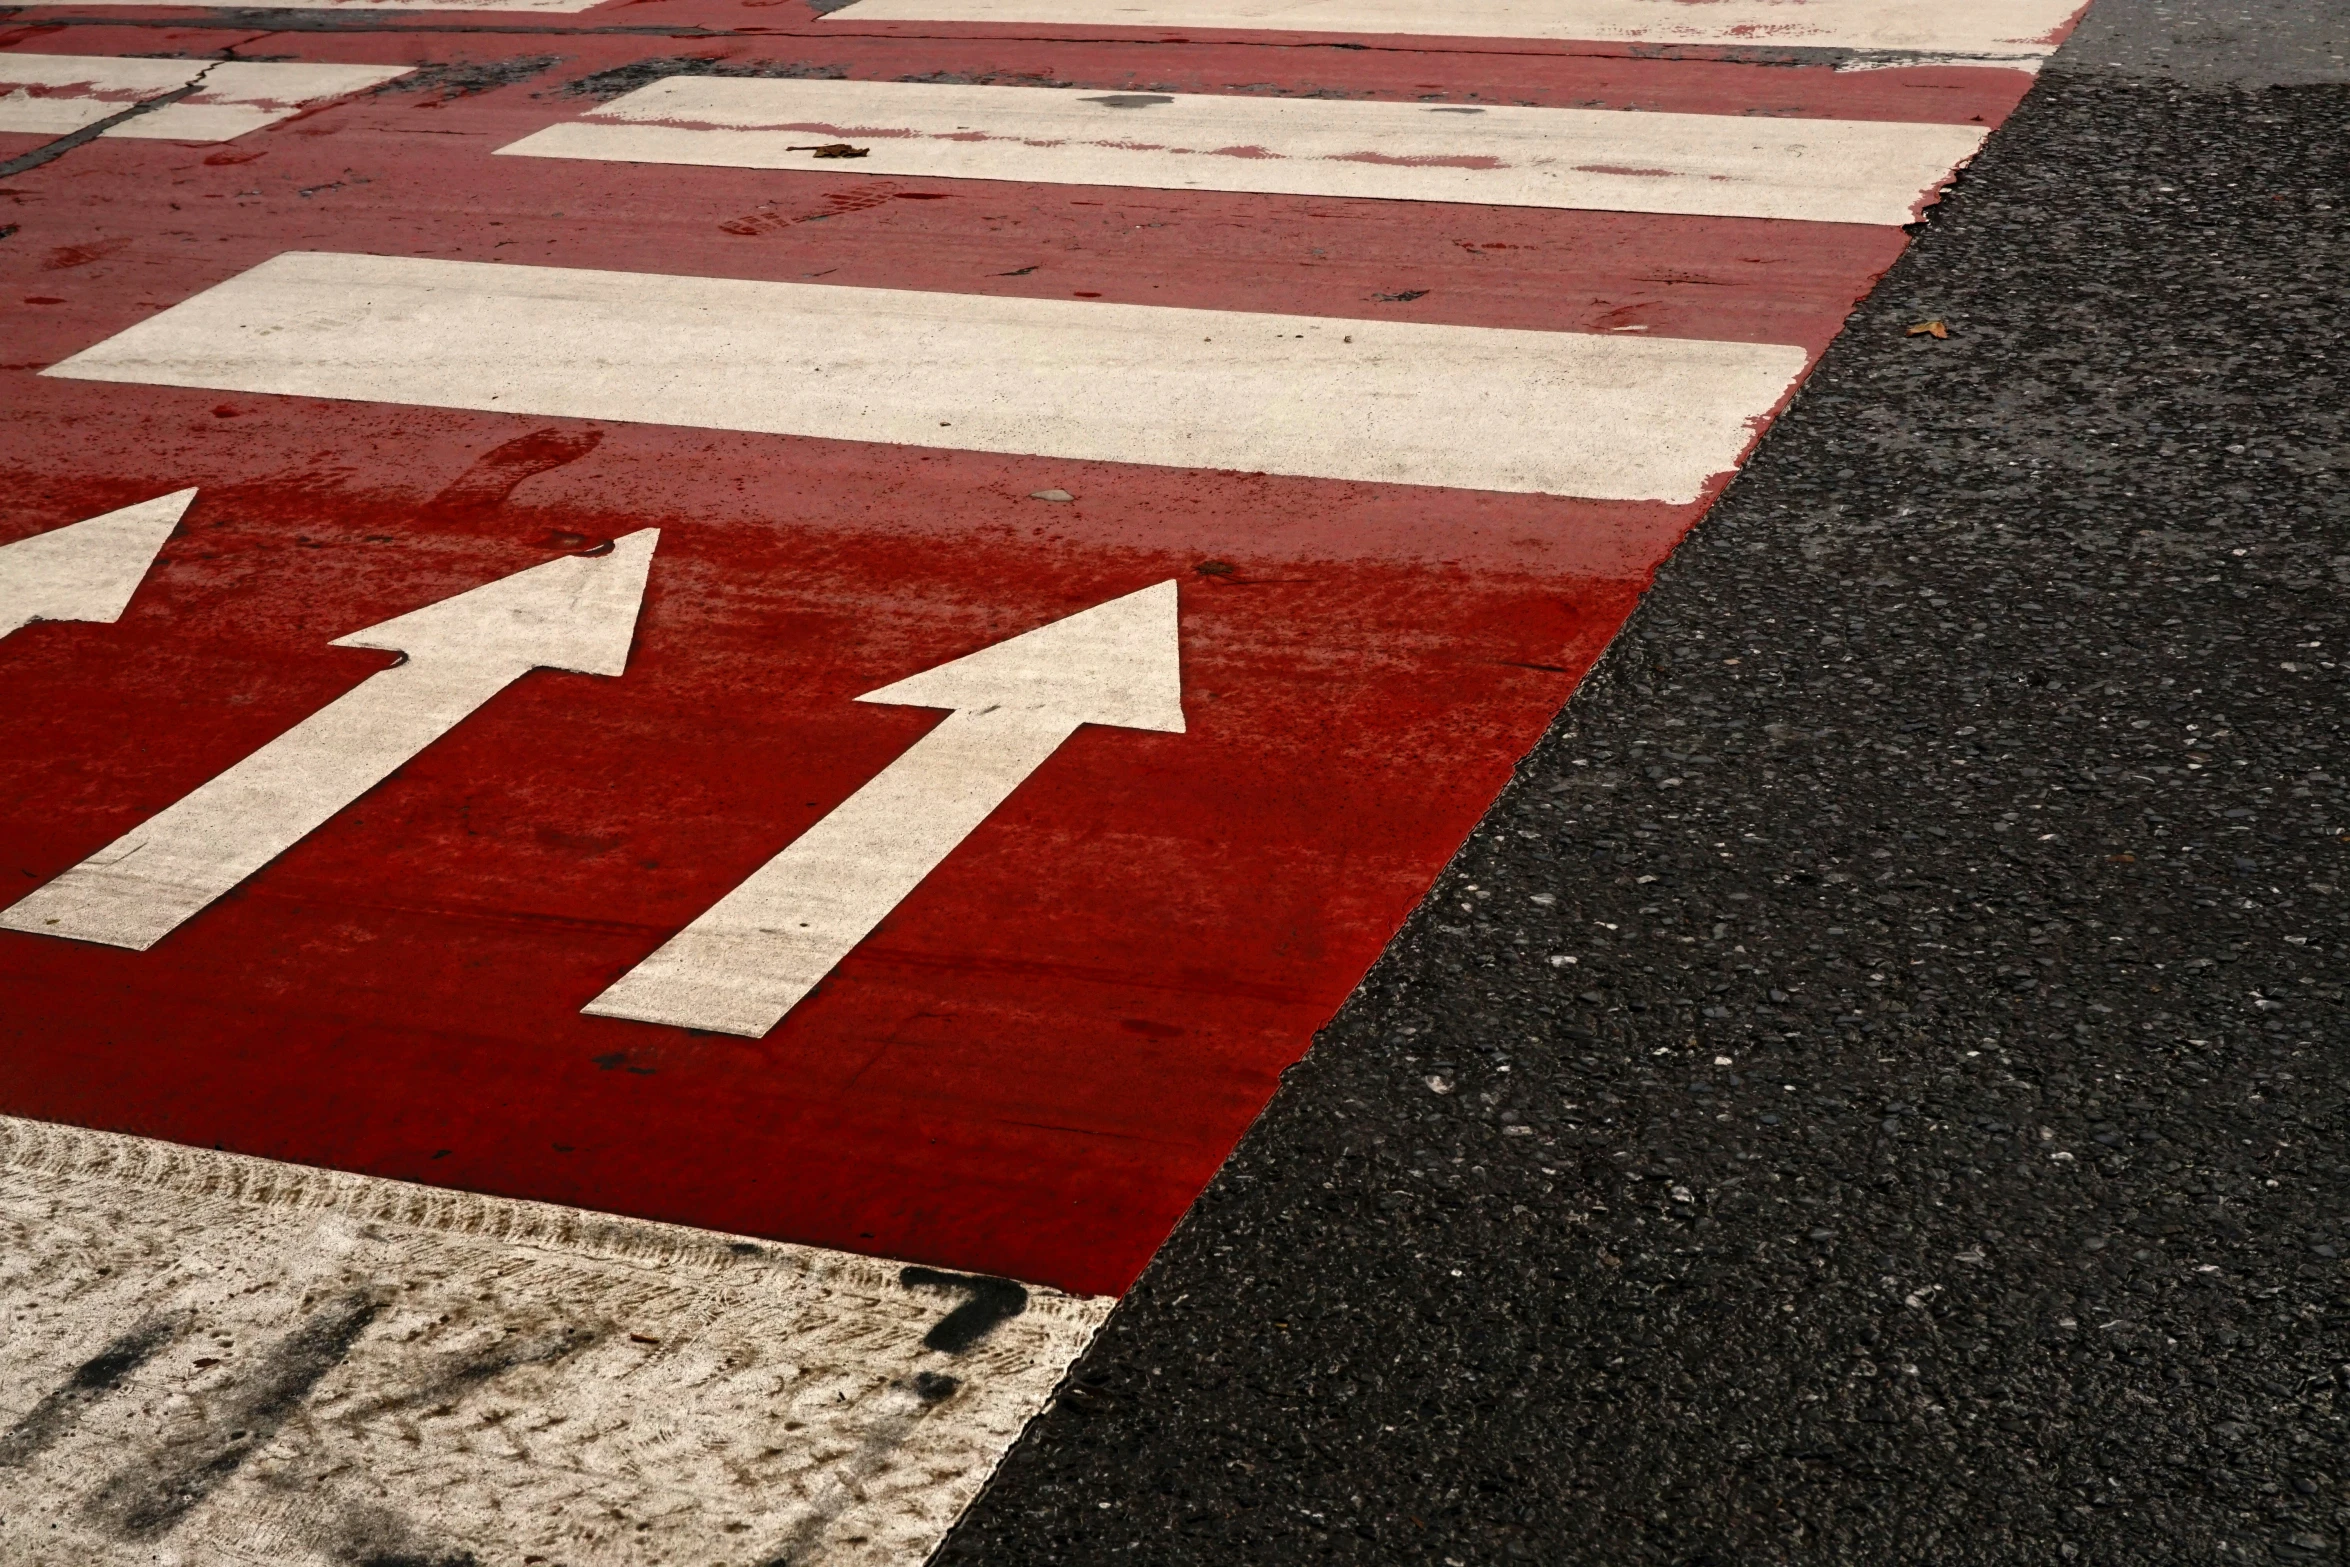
(1936, 1148)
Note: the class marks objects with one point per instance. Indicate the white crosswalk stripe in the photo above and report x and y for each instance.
(1996, 28)
(1831, 171)
(1564, 413)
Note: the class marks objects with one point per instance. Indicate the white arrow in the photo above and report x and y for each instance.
(744, 964)
(578, 613)
(85, 570)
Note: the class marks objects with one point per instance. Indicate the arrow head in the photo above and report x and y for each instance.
(577, 613)
(86, 570)
(1118, 663)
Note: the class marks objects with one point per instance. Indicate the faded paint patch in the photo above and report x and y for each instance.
(173, 99)
(226, 1360)
(1428, 161)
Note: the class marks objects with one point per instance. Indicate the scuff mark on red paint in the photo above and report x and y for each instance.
(66, 257)
(863, 198)
(495, 475)
(1429, 161)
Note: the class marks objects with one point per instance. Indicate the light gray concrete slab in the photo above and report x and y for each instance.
(219, 1361)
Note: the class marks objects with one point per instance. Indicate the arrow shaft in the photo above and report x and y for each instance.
(145, 884)
(741, 966)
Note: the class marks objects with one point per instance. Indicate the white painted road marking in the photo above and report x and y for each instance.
(578, 613)
(1566, 413)
(1726, 165)
(1975, 27)
(57, 94)
(86, 570)
(230, 1362)
(747, 961)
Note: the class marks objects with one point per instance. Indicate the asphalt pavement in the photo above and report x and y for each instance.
(1873, 1088)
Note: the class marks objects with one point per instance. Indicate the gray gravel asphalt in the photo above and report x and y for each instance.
(1935, 1144)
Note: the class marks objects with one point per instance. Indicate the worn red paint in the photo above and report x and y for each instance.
(1772, 282)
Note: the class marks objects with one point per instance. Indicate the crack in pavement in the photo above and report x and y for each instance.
(49, 152)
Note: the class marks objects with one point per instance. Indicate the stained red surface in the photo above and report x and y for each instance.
(1033, 1066)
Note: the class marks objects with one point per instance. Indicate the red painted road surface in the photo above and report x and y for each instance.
(1038, 1060)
